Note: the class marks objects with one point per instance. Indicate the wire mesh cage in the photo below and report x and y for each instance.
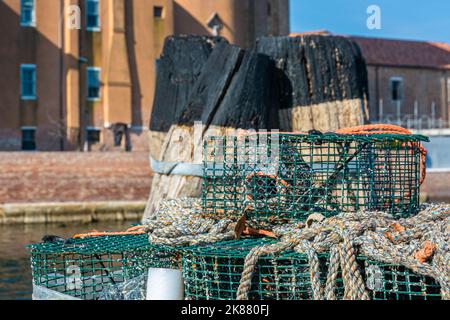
(278, 177)
(92, 268)
(392, 282)
(213, 272)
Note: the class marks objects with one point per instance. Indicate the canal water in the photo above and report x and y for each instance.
(15, 272)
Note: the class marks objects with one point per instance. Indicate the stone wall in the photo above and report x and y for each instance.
(10, 139)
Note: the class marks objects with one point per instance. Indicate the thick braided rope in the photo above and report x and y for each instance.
(367, 231)
(314, 273)
(354, 279)
(250, 264)
(348, 288)
(180, 223)
(332, 274)
(314, 268)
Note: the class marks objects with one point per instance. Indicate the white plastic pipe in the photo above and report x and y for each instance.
(165, 284)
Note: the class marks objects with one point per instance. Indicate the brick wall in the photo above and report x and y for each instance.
(10, 139)
(55, 177)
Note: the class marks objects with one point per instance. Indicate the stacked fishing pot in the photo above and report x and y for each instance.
(283, 216)
(327, 201)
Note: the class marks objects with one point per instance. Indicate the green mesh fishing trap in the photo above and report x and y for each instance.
(213, 272)
(392, 282)
(278, 177)
(87, 268)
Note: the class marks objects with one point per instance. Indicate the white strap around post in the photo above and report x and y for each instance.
(176, 168)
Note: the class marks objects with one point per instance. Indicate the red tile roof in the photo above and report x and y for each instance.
(403, 53)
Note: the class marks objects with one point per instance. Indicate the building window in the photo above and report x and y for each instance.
(28, 139)
(92, 135)
(396, 84)
(92, 15)
(28, 81)
(27, 13)
(158, 12)
(93, 83)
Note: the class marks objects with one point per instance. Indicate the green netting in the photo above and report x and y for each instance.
(213, 272)
(392, 282)
(83, 268)
(88, 268)
(283, 176)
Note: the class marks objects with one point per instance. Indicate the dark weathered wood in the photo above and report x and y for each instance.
(211, 86)
(322, 81)
(234, 91)
(179, 67)
(295, 84)
(250, 101)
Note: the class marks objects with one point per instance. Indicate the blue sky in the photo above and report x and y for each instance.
(400, 19)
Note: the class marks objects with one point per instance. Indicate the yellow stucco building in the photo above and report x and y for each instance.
(72, 68)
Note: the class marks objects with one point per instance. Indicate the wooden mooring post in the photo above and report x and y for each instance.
(286, 83)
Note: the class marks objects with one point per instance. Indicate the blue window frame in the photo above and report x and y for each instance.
(93, 83)
(28, 81)
(92, 15)
(27, 13)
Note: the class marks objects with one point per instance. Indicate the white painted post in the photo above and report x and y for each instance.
(399, 120)
(433, 115)
(165, 284)
(380, 111)
(416, 115)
